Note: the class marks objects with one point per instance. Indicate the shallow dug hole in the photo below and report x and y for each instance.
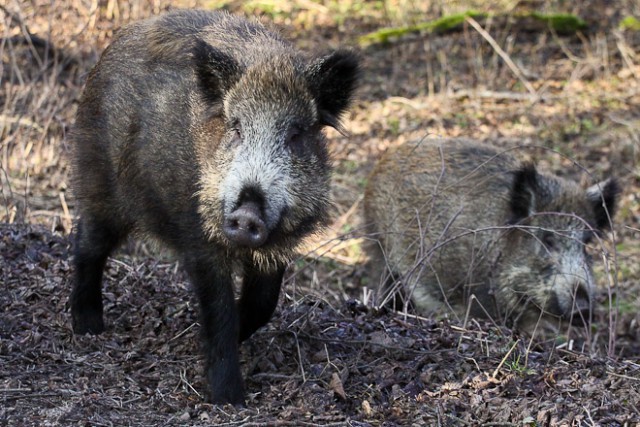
(318, 362)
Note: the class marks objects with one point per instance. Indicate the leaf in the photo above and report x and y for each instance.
(336, 386)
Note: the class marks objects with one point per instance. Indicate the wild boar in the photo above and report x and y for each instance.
(204, 131)
(456, 218)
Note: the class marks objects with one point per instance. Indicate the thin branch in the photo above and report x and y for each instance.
(503, 55)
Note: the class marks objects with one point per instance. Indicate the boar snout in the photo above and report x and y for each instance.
(580, 313)
(574, 308)
(245, 226)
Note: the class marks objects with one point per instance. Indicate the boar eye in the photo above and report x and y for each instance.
(294, 137)
(587, 237)
(549, 241)
(236, 128)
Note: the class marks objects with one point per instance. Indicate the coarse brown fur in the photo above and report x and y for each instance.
(203, 131)
(456, 218)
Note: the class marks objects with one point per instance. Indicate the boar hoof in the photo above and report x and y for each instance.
(245, 227)
(226, 389)
(88, 322)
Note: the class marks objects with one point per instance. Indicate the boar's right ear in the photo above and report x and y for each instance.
(217, 72)
(333, 79)
(522, 199)
(604, 201)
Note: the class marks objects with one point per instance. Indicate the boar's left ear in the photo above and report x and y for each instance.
(217, 71)
(333, 79)
(524, 193)
(603, 197)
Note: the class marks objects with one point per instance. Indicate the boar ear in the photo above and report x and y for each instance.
(333, 79)
(522, 199)
(603, 198)
(216, 71)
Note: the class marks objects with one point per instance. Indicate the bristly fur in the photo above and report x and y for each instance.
(204, 131)
(463, 224)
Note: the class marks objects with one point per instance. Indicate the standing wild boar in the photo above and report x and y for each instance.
(204, 131)
(456, 218)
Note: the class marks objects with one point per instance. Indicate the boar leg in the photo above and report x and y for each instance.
(94, 242)
(260, 292)
(219, 318)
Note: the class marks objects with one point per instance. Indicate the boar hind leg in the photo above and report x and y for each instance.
(260, 292)
(94, 242)
(219, 319)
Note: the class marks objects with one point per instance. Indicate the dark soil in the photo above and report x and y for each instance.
(315, 364)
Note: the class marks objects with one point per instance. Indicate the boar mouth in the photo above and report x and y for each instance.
(579, 311)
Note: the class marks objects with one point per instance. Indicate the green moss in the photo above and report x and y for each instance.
(562, 23)
(630, 23)
(441, 25)
(385, 34)
(451, 22)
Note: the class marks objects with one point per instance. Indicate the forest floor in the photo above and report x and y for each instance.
(571, 102)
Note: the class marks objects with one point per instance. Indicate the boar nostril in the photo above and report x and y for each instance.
(581, 309)
(245, 226)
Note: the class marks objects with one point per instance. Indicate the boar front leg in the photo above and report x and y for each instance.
(219, 318)
(93, 243)
(259, 298)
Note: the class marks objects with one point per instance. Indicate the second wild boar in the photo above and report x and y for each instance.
(456, 218)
